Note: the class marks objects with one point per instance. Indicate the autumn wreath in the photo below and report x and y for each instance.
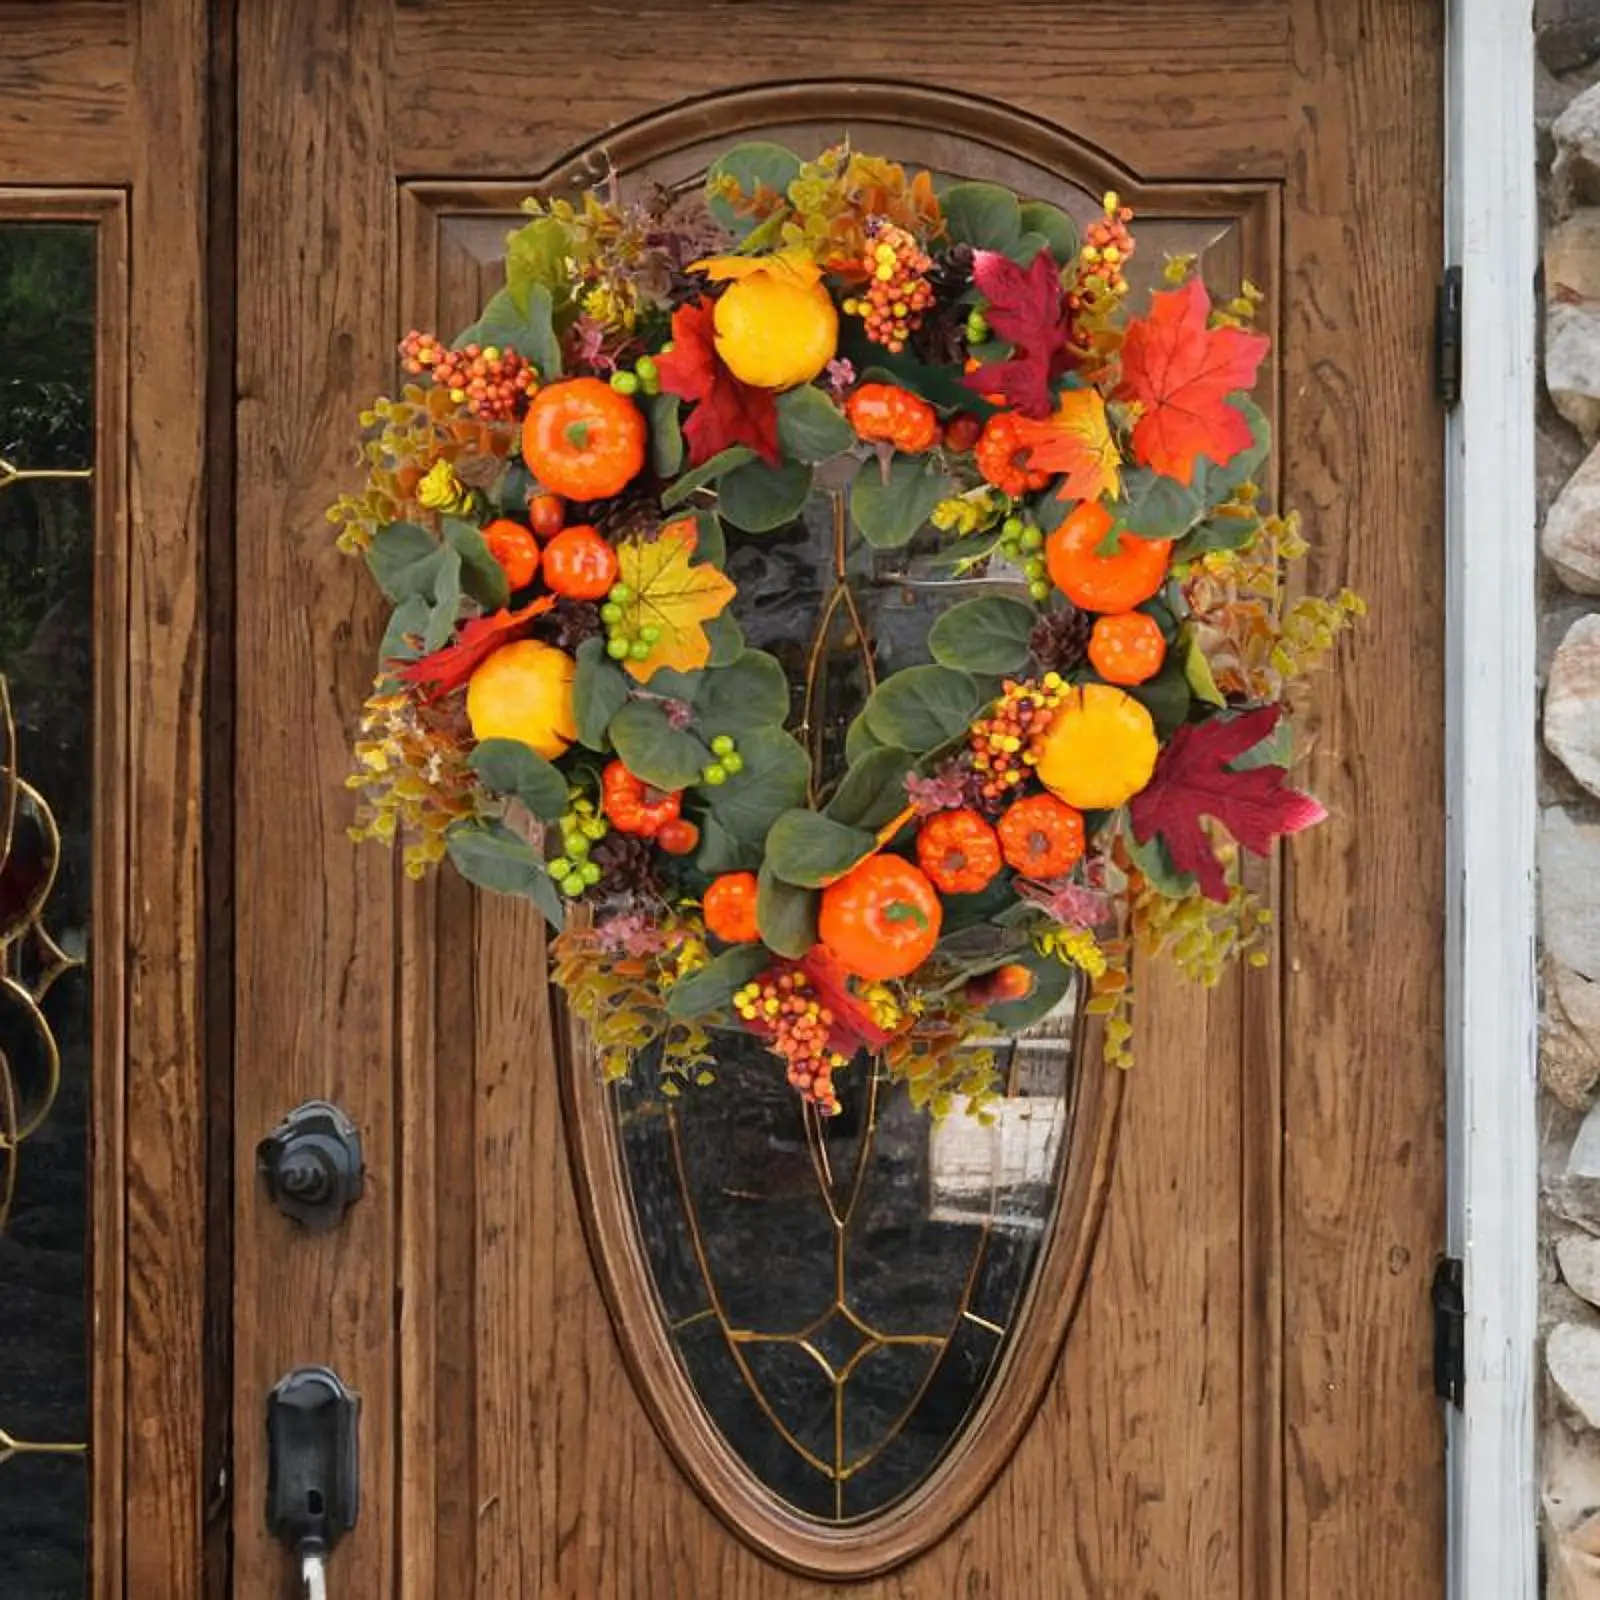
(946, 387)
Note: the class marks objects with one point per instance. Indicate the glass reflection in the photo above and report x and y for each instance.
(840, 1291)
(47, 313)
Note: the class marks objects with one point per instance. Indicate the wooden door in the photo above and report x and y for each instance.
(1241, 1404)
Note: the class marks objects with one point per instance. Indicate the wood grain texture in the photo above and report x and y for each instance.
(315, 919)
(1220, 68)
(166, 1165)
(1363, 1024)
(68, 101)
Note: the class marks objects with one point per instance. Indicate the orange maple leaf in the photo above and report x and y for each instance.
(1076, 442)
(1181, 372)
(674, 595)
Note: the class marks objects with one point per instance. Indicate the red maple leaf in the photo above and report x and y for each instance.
(1192, 780)
(1181, 372)
(450, 667)
(726, 412)
(1025, 311)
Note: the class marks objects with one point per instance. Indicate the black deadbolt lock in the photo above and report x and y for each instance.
(313, 1492)
(312, 1165)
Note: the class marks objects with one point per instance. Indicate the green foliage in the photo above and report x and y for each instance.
(772, 780)
(890, 507)
(651, 748)
(712, 987)
(736, 455)
(491, 856)
(599, 692)
(873, 790)
(921, 707)
(786, 914)
(758, 497)
(481, 575)
(987, 635)
(509, 767)
(756, 164)
(810, 426)
(808, 849)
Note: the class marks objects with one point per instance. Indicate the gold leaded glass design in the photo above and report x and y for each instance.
(47, 316)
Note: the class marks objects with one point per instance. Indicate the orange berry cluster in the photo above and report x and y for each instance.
(1002, 742)
(800, 1027)
(1107, 245)
(898, 291)
(493, 384)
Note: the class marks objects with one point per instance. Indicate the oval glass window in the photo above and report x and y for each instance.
(842, 1326)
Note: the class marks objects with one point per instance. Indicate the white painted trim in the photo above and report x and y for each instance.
(1491, 708)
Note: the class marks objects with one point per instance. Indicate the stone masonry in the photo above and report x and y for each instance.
(1568, 111)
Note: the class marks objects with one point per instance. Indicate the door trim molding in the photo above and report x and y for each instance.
(1491, 716)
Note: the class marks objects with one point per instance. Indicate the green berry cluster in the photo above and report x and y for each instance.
(643, 379)
(977, 326)
(1023, 542)
(582, 827)
(622, 644)
(726, 761)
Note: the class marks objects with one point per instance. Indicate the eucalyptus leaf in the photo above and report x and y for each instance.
(653, 750)
(1167, 697)
(666, 436)
(921, 707)
(726, 639)
(984, 215)
(1197, 669)
(810, 426)
(771, 782)
(711, 543)
(509, 767)
(808, 849)
(873, 790)
(707, 472)
(491, 856)
(405, 559)
(989, 634)
(1054, 226)
(481, 575)
(1232, 532)
(785, 914)
(446, 602)
(758, 497)
(714, 985)
(722, 850)
(1053, 982)
(757, 163)
(407, 625)
(889, 508)
(524, 320)
(1153, 506)
(859, 739)
(751, 691)
(599, 692)
(1216, 483)
(1154, 860)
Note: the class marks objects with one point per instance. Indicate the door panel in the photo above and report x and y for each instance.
(1280, 1144)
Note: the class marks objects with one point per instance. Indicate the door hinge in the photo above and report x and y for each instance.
(1447, 340)
(1449, 1331)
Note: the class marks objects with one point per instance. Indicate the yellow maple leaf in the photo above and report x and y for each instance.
(787, 266)
(672, 594)
(1076, 442)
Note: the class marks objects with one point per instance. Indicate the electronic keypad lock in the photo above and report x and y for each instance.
(313, 1468)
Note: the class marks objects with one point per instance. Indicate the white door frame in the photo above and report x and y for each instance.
(1491, 232)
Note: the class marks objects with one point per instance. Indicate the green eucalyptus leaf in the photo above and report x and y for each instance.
(755, 163)
(749, 692)
(481, 575)
(859, 739)
(1167, 697)
(524, 320)
(1054, 227)
(707, 472)
(873, 790)
(405, 559)
(890, 508)
(491, 856)
(599, 692)
(808, 849)
(785, 914)
(758, 497)
(653, 750)
(711, 543)
(771, 782)
(1053, 982)
(1276, 750)
(1215, 483)
(1154, 860)
(989, 634)
(726, 638)
(1232, 532)
(714, 985)
(722, 850)
(984, 215)
(1197, 669)
(1153, 506)
(666, 436)
(406, 626)
(810, 426)
(508, 766)
(446, 603)
(921, 707)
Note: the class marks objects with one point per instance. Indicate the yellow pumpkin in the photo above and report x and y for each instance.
(1100, 749)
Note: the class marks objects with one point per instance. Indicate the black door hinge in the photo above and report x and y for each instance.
(1447, 339)
(1449, 1331)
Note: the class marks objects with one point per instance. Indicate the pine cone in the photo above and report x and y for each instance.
(569, 624)
(634, 511)
(1060, 641)
(625, 863)
(941, 340)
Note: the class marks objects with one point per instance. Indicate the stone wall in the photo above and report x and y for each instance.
(1569, 842)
